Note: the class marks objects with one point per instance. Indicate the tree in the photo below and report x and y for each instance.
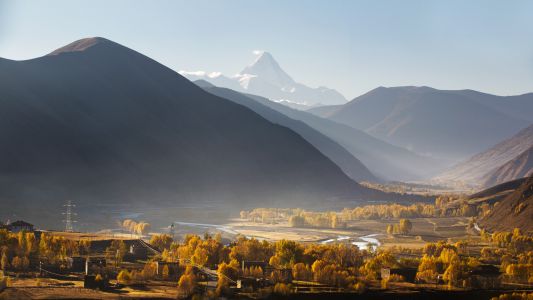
(20, 263)
(452, 273)
(85, 246)
(289, 252)
(124, 277)
(186, 284)
(142, 228)
(200, 256)
(117, 250)
(4, 262)
(448, 255)
(225, 273)
(161, 241)
(165, 272)
(390, 229)
(334, 221)
(282, 289)
(427, 269)
(405, 226)
(296, 221)
(129, 225)
(301, 272)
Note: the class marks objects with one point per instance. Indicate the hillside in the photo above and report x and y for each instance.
(484, 169)
(514, 211)
(452, 125)
(385, 160)
(521, 166)
(100, 123)
(348, 163)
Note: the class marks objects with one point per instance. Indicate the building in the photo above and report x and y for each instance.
(172, 267)
(19, 226)
(408, 274)
(485, 277)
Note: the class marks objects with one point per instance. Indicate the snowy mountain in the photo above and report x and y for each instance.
(266, 78)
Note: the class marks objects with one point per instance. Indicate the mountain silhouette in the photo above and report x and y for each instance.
(100, 123)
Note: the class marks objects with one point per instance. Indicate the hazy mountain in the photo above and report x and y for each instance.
(448, 124)
(266, 78)
(483, 169)
(346, 161)
(519, 167)
(99, 123)
(514, 211)
(388, 161)
(519, 106)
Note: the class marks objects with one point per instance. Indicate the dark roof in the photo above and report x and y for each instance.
(20, 223)
(486, 270)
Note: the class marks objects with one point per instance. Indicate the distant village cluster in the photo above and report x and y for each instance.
(248, 267)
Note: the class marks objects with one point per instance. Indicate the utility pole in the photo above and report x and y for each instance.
(69, 216)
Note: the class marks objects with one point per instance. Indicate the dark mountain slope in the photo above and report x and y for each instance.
(497, 189)
(515, 211)
(349, 164)
(99, 123)
(448, 124)
(521, 166)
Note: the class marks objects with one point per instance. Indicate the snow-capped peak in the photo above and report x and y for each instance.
(266, 78)
(268, 69)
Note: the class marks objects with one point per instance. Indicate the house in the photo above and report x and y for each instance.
(172, 267)
(408, 274)
(485, 276)
(19, 226)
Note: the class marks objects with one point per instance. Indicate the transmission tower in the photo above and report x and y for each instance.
(171, 230)
(69, 220)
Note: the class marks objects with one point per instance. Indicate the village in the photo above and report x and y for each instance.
(136, 263)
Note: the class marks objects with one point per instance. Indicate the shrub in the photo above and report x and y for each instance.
(359, 287)
(124, 277)
(282, 289)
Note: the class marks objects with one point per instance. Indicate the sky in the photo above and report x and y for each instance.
(352, 46)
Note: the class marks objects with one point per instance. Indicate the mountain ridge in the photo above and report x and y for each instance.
(266, 78)
(385, 160)
(348, 163)
(477, 169)
(443, 124)
(108, 125)
(514, 211)
(519, 167)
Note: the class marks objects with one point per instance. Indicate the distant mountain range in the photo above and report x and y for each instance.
(265, 77)
(388, 162)
(508, 160)
(451, 125)
(100, 123)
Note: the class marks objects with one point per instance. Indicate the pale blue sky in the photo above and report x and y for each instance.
(352, 46)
